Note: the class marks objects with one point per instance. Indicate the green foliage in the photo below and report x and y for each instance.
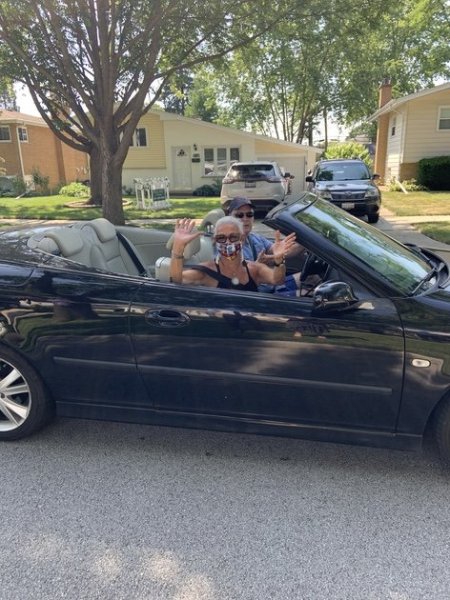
(434, 173)
(40, 181)
(19, 186)
(209, 189)
(348, 150)
(410, 185)
(75, 190)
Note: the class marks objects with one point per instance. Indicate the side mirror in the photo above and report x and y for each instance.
(333, 296)
(309, 178)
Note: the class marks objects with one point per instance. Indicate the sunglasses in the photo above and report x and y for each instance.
(240, 215)
(232, 237)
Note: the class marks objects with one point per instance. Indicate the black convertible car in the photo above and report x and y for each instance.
(92, 327)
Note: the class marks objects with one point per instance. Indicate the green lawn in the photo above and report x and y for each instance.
(58, 208)
(417, 203)
(422, 204)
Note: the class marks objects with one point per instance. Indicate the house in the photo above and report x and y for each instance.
(28, 145)
(192, 153)
(409, 129)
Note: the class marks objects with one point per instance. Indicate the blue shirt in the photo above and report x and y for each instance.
(254, 243)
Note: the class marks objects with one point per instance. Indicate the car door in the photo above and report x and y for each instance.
(265, 357)
(76, 327)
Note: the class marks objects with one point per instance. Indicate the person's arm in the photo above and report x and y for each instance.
(183, 234)
(261, 273)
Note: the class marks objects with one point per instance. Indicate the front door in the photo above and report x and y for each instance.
(181, 168)
(261, 356)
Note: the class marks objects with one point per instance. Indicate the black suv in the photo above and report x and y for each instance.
(347, 183)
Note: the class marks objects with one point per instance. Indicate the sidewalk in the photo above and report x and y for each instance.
(403, 230)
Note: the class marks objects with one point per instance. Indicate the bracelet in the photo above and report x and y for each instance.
(179, 256)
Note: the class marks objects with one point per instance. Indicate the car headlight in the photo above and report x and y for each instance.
(372, 193)
(325, 194)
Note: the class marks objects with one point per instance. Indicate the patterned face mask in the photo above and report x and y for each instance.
(229, 250)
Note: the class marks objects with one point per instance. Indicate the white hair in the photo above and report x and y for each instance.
(228, 220)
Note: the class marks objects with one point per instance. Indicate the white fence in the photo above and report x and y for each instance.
(152, 193)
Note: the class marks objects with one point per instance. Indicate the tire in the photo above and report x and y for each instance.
(373, 218)
(25, 405)
(442, 431)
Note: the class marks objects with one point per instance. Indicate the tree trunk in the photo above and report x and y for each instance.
(112, 191)
(96, 177)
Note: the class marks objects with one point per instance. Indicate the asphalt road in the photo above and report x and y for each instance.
(110, 511)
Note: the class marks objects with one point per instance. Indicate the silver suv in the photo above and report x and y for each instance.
(347, 183)
(262, 182)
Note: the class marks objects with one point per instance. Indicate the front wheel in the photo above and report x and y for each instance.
(373, 218)
(25, 405)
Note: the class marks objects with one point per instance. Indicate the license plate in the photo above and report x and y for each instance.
(348, 205)
(250, 184)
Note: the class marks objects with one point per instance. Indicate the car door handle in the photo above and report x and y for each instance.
(167, 318)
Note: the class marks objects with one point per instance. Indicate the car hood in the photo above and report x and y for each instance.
(353, 185)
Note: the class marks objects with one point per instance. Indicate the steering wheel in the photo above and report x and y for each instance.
(313, 266)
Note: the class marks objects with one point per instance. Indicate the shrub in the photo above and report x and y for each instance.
(75, 189)
(410, 185)
(40, 181)
(348, 150)
(209, 189)
(434, 173)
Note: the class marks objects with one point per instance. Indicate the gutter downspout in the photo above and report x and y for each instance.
(22, 170)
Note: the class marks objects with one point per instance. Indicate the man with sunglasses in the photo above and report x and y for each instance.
(256, 247)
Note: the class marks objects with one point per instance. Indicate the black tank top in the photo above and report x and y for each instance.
(225, 282)
(250, 286)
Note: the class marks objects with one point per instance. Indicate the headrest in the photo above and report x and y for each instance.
(69, 241)
(211, 219)
(192, 248)
(104, 229)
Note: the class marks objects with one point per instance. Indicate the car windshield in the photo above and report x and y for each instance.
(399, 265)
(343, 172)
(252, 171)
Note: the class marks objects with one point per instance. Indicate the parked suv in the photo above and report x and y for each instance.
(263, 182)
(347, 183)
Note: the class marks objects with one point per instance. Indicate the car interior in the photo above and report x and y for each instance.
(133, 250)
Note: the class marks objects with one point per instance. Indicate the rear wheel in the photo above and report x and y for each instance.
(25, 405)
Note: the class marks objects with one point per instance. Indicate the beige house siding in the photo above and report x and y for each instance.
(176, 149)
(153, 156)
(423, 138)
(394, 149)
(419, 135)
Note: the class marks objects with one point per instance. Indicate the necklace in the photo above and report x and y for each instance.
(234, 278)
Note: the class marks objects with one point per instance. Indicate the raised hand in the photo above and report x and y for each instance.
(282, 247)
(184, 234)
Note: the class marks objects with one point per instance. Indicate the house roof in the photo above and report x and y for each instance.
(167, 116)
(395, 103)
(12, 116)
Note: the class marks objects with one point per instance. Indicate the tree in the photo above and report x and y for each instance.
(7, 94)
(94, 67)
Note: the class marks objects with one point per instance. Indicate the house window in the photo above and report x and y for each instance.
(444, 117)
(5, 135)
(218, 160)
(23, 134)
(393, 126)
(140, 137)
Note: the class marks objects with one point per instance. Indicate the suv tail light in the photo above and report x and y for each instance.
(229, 180)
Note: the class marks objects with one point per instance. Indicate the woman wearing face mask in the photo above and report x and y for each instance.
(229, 269)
